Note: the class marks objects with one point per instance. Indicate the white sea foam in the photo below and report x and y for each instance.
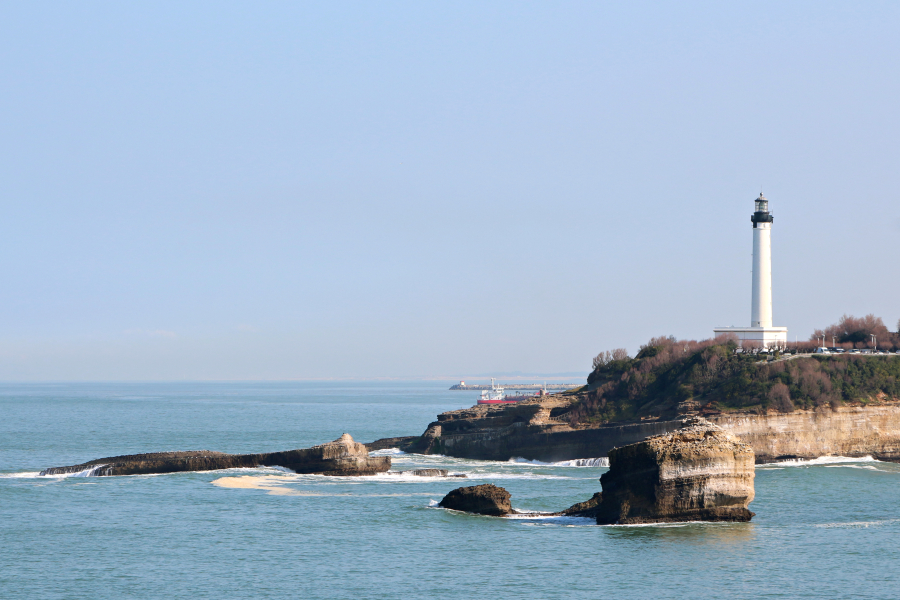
(857, 524)
(22, 475)
(89, 472)
(536, 518)
(502, 475)
(820, 461)
(409, 477)
(387, 452)
(531, 517)
(602, 461)
(679, 524)
(92, 472)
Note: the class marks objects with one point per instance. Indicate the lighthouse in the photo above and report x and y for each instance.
(761, 333)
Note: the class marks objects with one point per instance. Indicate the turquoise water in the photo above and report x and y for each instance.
(825, 529)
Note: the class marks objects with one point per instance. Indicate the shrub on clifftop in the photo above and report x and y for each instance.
(669, 376)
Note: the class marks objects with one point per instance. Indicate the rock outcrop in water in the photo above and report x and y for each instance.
(342, 457)
(486, 499)
(588, 508)
(700, 472)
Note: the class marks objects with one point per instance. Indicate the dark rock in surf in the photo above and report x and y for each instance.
(431, 472)
(486, 499)
(588, 508)
(342, 457)
(400, 443)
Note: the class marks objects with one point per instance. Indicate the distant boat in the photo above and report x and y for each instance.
(496, 395)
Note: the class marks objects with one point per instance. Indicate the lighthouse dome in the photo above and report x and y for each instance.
(761, 211)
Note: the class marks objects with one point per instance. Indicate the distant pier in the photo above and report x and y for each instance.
(461, 386)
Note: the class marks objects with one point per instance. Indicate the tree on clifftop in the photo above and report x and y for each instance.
(604, 358)
(857, 332)
(670, 377)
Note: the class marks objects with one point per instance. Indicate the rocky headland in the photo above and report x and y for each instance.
(342, 457)
(699, 472)
(526, 430)
(791, 407)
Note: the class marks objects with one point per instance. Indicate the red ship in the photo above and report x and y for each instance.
(496, 396)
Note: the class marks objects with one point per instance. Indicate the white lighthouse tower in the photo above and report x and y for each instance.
(760, 333)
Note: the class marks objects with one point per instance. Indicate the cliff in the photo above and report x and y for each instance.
(536, 430)
(864, 430)
(343, 456)
(794, 406)
(699, 472)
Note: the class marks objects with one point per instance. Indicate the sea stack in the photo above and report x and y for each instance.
(699, 472)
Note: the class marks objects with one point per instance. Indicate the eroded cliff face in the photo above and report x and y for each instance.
(532, 429)
(699, 472)
(844, 431)
(528, 429)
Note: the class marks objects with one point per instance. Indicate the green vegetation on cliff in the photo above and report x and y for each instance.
(669, 376)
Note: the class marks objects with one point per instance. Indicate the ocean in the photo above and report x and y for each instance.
(826, 528)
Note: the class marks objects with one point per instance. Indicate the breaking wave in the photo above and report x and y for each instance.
(602, 461)
(858, 524)
(90, 472)
(550, 519)
(387, 452)
(22, 475)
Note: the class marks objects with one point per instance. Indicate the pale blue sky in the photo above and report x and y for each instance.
(295, 190)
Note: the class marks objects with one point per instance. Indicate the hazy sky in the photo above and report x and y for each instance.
(385, 189)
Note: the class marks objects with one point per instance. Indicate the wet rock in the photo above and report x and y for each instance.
(342, 457)
(588, 508)
(486, 499)
(428, 442)
(400, 443)
(699, 472)
(158, 462)
(431, 472)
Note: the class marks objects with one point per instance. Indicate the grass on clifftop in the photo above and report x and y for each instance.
(709, 376)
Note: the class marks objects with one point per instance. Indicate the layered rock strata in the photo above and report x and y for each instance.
(342, 457)
(485, 499)
(699, 472)
(533, 429)
(844, 431)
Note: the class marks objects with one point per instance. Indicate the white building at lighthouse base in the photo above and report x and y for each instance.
(761, 337)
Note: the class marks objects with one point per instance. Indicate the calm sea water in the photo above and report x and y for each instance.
(824, 529)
